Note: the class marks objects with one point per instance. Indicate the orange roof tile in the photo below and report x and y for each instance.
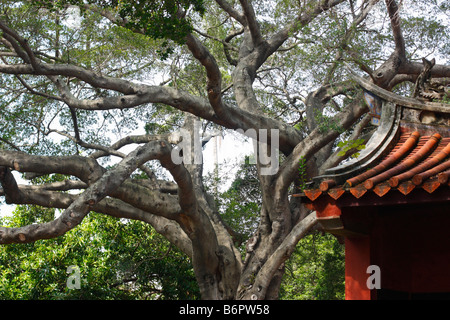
(415, 161)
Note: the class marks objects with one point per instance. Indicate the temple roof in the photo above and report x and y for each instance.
(409, 150)
(414, 161)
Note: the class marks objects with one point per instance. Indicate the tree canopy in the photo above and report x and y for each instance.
(116, 260)
(106, 106)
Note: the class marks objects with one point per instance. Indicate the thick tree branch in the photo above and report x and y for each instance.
(241, 119)
(166, 227)
(45, 196)
(251, 60)
(394, 15)
(336, 158)
(79, 208)
(9, 184)
(252, 21)
(94, 79)
(214, 83)
(85, 169)
(65, 185)
(317, 139)
(415, 68)
(228, 8)
(389, 69)
(280, 255)
(316, 100)
(18, 44)
(300, 21)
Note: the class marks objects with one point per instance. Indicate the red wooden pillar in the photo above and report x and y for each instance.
(357, 259)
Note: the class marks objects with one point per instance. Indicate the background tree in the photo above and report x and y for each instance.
(116, 259)
(316, 270)
(266, 65)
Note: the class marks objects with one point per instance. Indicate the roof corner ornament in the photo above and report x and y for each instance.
(395, 98)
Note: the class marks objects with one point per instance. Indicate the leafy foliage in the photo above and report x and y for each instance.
(159, 19)
(346, 146)
(165, 20)
(117, 259)
(240, 204)
(128, 260)
(315, 270)
(302, 173)
(327, 123)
